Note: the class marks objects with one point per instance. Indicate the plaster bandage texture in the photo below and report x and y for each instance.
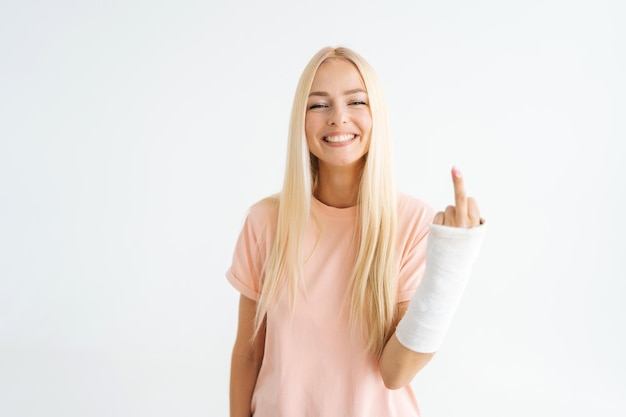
(450, 255)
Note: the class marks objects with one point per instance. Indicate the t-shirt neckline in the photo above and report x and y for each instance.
(326, 210)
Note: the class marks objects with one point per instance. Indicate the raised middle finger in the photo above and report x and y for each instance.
(460, 198)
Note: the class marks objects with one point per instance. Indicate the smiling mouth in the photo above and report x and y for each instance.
(338, 139)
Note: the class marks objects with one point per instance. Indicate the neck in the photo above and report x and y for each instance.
(338, 186)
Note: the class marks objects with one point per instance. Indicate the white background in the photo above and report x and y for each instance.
(135, 135)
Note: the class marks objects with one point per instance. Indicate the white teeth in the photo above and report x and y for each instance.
(338, 139)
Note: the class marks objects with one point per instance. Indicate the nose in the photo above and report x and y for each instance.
(338, 115)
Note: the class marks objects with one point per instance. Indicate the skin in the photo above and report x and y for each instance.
(338, 105)
(399, 365)
(246, 360)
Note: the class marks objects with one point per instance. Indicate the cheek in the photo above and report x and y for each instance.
(308, 122)
(309, 133)
(366, 124)
(311, 127)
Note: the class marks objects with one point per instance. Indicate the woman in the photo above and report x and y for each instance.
(330, 323)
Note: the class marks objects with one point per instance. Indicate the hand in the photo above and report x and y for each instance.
(465, 213)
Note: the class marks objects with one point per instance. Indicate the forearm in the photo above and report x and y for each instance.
(450, 255)
(399, 365)
(246, 360)
(244, 371)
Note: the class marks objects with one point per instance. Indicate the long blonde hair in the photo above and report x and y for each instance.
(373, 286)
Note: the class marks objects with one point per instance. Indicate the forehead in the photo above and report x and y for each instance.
(337, 74)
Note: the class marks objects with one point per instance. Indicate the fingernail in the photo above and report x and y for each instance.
(456, 172)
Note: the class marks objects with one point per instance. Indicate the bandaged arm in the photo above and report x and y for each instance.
(450, 252)
(450, 255)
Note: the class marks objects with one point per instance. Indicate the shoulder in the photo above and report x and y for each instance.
(413, 210)
(263, 213)
(414, 219)
(266, 207)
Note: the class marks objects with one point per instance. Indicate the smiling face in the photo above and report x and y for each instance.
(338, 120)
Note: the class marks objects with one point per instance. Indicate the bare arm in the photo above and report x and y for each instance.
(399, 365)
(246, 360)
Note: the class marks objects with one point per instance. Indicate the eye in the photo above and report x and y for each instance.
(358, 103)
(317, 106)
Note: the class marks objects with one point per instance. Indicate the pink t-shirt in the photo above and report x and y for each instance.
(313, 364)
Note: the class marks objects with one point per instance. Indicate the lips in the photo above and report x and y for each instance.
(339, 138)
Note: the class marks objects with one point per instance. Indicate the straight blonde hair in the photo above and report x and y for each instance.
(373, 286)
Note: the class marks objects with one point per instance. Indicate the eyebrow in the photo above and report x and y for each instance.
(345, 93)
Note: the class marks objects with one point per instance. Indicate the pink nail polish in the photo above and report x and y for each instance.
(456, 172)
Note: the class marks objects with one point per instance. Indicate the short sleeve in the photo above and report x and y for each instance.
(414, 218)
(251, 250)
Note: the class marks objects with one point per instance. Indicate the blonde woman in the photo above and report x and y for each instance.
(342, 300)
